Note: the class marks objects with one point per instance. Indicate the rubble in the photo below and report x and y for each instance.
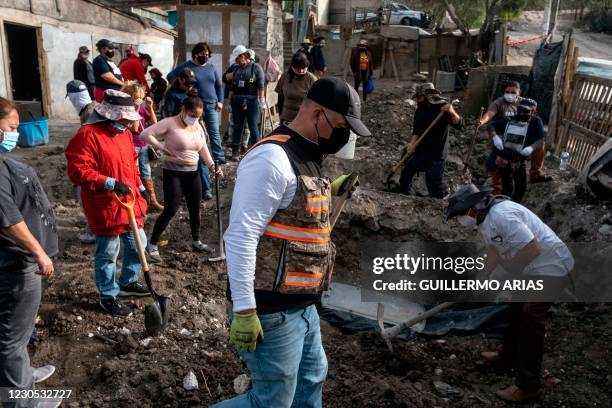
(190, 382)
(242, 383)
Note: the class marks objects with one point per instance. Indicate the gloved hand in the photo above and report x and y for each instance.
(245, 332)
(145, 194)
(339, 185)
(261, 102)
(527, 151)
(121, 189)
(498, 143)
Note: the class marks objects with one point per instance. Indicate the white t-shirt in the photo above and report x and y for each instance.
(265, 183)
(509, 227)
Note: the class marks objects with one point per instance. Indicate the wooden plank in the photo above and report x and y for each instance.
(588, 133)
(381, 71)
(393, 65)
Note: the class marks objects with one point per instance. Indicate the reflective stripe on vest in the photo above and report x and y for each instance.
(297, 234)
(317, 204)
(274, 138)
(303, 279)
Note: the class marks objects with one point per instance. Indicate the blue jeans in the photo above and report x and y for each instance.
(252, 115)
(211, 120)
(288, 368)
(143, 162)
(105, 262)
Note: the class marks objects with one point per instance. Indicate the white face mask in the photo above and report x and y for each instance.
(466, 220)
(189, 120)
(510, 98)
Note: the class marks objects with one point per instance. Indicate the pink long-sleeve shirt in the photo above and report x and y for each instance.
(183, 146)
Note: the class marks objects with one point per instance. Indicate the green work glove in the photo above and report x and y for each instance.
(344, 182)
(245, 331)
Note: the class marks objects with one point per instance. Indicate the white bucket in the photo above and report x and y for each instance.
(348, 150)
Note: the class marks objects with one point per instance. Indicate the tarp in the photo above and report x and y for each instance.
(597, 173)
(461, 319)
(541, 82)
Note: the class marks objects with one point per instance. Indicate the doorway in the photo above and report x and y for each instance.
(24, 63)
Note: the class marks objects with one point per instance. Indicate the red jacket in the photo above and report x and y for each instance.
(95, 153)
(132, 70)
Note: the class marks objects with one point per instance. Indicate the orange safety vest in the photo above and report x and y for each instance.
(295, 254)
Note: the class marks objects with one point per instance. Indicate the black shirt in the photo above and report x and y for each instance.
(534, 138)
(83, 71)
(317, 62)
(434, 145)
(22, 198)
(101, 66)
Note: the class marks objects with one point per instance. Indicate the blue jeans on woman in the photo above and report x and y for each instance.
(252, 115)
(211, 120)
(288, 368)
(105, 262)
(143, 162)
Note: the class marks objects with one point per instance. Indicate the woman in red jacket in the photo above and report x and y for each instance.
(102, 160)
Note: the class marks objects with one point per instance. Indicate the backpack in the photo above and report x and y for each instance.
(272, 70)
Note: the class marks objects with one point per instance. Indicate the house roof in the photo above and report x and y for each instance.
(116, 6)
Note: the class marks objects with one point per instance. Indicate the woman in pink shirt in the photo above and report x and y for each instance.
(185, 143)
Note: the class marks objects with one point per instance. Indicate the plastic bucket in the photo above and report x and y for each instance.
(348, 150)
(33, 132)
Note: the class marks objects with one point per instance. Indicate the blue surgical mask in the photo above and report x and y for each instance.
(9, 141)
(119, 126)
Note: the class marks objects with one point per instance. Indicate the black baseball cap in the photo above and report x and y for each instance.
(104, 43)
(336, 95)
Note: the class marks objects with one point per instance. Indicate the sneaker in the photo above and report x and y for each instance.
(133, 289)
(153, 253)
(114, 307)
(40, 374)
(199, 246)
(207, 195)
(87, 238)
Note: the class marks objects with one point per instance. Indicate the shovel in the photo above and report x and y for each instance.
(407, 155)
(221, 256)
(157, 313)
(472, 145)
(388, 334)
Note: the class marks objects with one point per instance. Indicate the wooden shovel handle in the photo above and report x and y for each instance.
(129, 206)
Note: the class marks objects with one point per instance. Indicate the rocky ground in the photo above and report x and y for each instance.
(111, 362)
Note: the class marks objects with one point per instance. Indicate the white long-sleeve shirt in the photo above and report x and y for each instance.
(265, 183)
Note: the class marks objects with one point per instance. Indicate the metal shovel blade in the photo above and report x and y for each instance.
(156, 316)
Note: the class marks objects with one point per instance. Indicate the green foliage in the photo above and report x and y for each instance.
(512, 9)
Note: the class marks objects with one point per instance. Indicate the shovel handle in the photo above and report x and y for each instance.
(129, 206)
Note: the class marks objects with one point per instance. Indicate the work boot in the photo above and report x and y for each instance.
(40, 374)
(150, 187)
(153, 253)
(114, 307)
(235, 153)
(199, 246)
(517, 394)
(133, 289)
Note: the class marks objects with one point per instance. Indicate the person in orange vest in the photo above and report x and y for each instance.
(361, 65)
(279, 252)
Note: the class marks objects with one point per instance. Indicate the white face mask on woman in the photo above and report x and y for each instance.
(189, 120)
(466, 221)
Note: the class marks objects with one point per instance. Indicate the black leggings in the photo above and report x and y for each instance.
(179, 184)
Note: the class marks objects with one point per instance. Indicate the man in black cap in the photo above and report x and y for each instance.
(107, 74)
(83, 70)
(430, 154)
(279, 253)
(523, 246)
(514, 140)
